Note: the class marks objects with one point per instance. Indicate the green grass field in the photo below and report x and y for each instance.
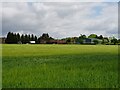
(59, 66)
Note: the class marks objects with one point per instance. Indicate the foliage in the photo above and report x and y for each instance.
(71, 40)
(14, 38)
(100, 37)
(45, 37)
(82, 36)
(92, 36)
(95, 41)
(114, 40)
(118, 40)
(105, 40)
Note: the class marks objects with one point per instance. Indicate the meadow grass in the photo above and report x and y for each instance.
(60, 66)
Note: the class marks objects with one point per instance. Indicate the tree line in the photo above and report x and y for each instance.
(81, 38)
(14, 38)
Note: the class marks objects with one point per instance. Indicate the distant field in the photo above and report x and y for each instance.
(60, 66)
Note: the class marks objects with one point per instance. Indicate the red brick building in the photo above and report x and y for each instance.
(57, 42)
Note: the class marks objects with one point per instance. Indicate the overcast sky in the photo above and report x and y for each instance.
(61, 19)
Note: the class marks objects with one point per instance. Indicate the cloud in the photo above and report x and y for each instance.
(0, 19)
(59, 0)
(61, 19)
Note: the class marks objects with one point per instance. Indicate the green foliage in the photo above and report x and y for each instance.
(60, 66)
(114, 40)
(92, 36)
(12, 38)
(68, 40)
(100, 37)
(119, 41)
(82, 36)
(18, 37)
(105, 40)
(71, 40)
(44, 38)
(95, 41)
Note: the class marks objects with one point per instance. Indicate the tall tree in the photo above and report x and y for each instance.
(36, 39)
(32, 38)
(8, 37)
(15, 38)
(23, 39)
(26, 38)
(114, 40)
(29, 37)
(18, 37)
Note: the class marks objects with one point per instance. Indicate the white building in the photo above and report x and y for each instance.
(32, 42)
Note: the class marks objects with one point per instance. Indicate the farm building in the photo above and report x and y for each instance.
(42, 41)
(2, 40)
(52, 42)
(32, 42)
(92, 41)
(56, 42)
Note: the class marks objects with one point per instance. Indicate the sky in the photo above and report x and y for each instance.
(59, 0)
(61, 19)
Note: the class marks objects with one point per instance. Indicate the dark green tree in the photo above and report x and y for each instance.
(68, 40)
(26, 38)
(36, 40)
(81, 38)
(32, 37)
(18, 37)
(29, 37)
(23, 39)
(100, 37)
(118, 40)
(44, 38)
(14, 38)
(114, 41)
(10, 38)
(105, 40)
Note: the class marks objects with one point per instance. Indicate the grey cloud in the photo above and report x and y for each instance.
(59, 19)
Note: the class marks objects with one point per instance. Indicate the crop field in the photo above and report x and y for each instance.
(59, 66)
